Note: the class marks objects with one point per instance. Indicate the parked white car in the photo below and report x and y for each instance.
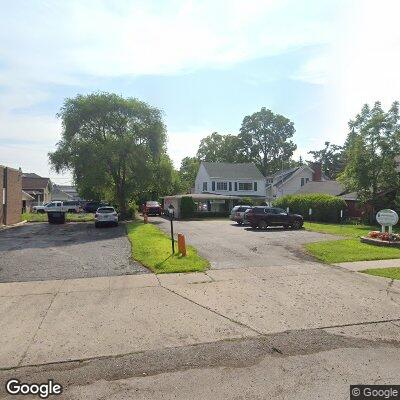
(106, 216)
(39, 209)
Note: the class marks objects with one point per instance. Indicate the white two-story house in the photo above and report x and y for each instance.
(232, 179)
(290, 181)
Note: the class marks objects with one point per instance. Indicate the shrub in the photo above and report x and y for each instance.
(325, 207)
(187, 207)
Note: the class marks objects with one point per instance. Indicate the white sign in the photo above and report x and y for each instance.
(387, 217)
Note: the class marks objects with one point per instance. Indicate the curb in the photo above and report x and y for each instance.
(5, 227)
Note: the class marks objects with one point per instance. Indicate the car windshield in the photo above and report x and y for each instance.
(152, 204)
(105, 210)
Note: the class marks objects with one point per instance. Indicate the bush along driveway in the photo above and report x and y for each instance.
(152, 248)
(349, 249)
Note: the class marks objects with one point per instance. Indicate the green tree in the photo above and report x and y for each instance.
(265, 139)
(188, 172)
(370, 150)
(221, 148)
(110, 144)
(331, 159)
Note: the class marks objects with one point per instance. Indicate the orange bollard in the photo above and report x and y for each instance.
(145, 218)
(181, 244)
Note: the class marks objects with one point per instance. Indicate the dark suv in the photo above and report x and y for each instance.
(263, 217)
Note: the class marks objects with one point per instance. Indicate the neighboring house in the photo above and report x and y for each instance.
(65, 192)
(230, 179)
(334, 188)
(38, 187)
(291, 180)
(10, 195)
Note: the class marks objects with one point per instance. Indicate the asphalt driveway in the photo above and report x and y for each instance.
(40, 251)
(228, 245)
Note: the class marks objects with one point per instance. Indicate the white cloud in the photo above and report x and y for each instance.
(185, 144)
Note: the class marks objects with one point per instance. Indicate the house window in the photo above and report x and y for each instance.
(245, 186)
(204, 186)
(230, 186)
(213, 186)
(307, 180)
(222, 185)
(255, 186)
(302, 182)
(235, 186)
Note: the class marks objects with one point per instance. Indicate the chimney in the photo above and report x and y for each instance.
(317, 175)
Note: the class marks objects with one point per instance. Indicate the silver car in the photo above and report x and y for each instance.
(237, 214)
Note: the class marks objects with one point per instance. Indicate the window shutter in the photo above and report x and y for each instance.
(255, 186)
(235, 186)
(213, 186)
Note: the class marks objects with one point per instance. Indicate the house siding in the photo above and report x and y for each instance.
(232, 185)
(290, 186)
(11, 196)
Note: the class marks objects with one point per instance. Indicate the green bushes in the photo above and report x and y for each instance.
(325, 208)
(187, 207)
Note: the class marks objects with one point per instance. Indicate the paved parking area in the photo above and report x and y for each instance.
(228, 245)
(40, 251)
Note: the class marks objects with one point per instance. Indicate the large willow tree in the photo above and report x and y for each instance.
(110, 144)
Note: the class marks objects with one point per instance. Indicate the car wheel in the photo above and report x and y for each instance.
(296, 225)
(262, 224)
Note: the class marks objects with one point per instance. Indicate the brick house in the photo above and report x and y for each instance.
(10, 195)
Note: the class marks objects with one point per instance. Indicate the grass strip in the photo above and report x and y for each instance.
(348, 230)
(152, 248)
(390, 272)
(337, 251)
(70, 217)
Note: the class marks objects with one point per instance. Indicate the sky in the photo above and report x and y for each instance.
(206, 64)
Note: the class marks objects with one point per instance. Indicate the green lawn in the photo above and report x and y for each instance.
(349, 230)
(39, 217)
(336, 251)
(392, 273)
(152, 248)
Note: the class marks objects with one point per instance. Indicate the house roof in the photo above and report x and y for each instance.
(34, 182)
(327, 187)
(66, 188)
(232, 170)
(30, 175)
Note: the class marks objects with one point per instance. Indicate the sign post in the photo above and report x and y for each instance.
(171, 212)
(387, 218)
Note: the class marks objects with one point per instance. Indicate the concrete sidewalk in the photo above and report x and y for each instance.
(362, 265)
(81, 319)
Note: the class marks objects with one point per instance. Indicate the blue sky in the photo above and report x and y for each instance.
(206, 64)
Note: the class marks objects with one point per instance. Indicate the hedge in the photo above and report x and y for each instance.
(187, 207)
(325, 207)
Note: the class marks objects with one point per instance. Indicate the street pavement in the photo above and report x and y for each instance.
(276, 325)
(255, 333)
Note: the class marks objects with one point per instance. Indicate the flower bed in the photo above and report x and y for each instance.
(386, 236)
(382, 239)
